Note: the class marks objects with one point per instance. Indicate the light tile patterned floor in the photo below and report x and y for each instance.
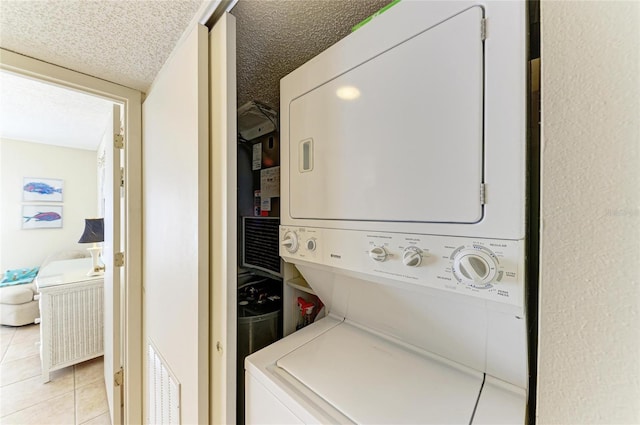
(75, 395)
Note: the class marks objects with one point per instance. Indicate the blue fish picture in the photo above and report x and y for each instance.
(36, 189)
(44, 216)
(41, 216)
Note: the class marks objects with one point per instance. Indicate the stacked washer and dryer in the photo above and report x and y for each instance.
(403, 207)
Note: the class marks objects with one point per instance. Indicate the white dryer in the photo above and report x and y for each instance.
(403, 206)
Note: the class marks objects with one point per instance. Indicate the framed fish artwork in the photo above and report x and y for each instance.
(41, 216)
(39, 190)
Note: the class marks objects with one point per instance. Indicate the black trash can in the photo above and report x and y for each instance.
(259, 322)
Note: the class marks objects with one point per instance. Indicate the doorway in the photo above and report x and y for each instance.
(130, 100)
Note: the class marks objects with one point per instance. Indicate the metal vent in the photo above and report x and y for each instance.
(260, 248)
(163, 391)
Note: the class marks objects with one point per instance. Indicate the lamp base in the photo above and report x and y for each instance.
(97, 269)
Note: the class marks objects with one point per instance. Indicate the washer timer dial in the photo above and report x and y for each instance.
(475, 267)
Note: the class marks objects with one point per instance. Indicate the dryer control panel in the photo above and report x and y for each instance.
(492, 269)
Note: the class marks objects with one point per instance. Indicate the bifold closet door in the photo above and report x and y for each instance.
(222, 47)
(176, 237)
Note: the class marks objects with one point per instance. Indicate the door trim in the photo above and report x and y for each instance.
(131, 100)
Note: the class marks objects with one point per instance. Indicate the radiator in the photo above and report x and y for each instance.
(163, 391)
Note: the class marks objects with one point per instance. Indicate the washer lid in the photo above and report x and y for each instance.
(371, 380)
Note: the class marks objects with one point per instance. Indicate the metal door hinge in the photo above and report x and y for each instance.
(118, 141)
(482, 194)
(483, 29)
(118, 378)
(118, 259)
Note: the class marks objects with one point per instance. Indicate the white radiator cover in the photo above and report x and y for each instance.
(74, 318)
(163, 391)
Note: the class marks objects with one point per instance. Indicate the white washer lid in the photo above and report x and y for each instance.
(372, 380)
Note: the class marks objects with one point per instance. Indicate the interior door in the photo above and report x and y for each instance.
(176, 237)
(113, 210)
(223, 219)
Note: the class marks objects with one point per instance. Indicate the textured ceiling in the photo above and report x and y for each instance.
(125, 42)
(274, 37)
(32, 111)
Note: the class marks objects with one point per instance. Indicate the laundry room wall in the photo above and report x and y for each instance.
(589, 338)
(77, 167)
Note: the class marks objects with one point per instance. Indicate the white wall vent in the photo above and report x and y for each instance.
(163, 391)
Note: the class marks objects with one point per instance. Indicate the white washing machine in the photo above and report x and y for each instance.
(441, 341)
(403, 206)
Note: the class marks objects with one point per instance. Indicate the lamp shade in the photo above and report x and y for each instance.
(93, 230)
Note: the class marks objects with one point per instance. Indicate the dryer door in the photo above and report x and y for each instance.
(397, 138)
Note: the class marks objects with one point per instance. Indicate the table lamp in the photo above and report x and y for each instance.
(94, 233)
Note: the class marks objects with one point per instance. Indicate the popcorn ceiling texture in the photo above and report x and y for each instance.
(125, 42)
(274, 37)
(589, 334)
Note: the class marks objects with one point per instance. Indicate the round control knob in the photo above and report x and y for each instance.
(378, 253)
(475, 268)
(311, 244)
(290, 242)
(411, 257)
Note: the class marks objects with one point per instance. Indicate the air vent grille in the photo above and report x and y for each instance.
(261, 243)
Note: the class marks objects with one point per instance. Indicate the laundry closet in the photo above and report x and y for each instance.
(402, 217)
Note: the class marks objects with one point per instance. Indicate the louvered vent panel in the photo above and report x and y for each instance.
(164, 391)
(261, 243)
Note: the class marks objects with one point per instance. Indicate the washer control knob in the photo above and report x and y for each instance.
(378, 253)
(311, 244)
(290, 242)
(474, 268)
(411, 257)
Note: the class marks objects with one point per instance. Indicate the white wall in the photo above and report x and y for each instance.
(589, 335)
(77, 167)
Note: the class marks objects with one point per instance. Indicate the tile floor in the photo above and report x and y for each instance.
(75, 395)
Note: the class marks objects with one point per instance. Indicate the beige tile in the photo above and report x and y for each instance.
(21, 350)
(89, 371)
(4, 346)
(6, 333)
(57, 410)
(91, 401)
(104, 419)
(27, 333)
(18, 370)
(29, 392)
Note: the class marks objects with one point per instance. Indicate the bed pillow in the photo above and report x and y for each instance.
(18, 276)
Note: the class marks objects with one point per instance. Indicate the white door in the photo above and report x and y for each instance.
(222, 45)
(113, 210)
(176, 237)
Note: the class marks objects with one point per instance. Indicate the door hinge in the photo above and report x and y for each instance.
(118, 259)
(483, 29)
(482, 194)
(118, 141)
(121, 176)
(118, 378)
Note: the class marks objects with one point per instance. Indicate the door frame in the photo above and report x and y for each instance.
(132, 103)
